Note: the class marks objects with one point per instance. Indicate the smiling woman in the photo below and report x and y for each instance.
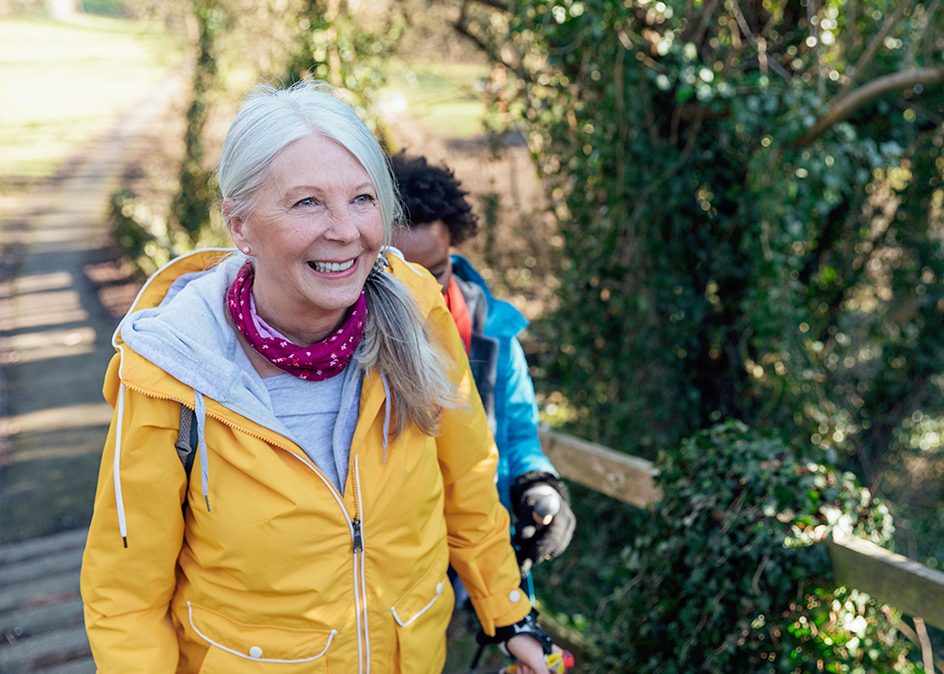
(335, 410)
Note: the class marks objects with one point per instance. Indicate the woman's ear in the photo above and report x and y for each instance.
(235, 224)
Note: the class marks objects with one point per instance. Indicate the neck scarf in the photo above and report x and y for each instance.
(455, 302)
(322, 360)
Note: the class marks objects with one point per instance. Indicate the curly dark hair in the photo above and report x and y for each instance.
(431, 193)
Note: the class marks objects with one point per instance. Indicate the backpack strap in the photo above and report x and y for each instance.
(187, 438)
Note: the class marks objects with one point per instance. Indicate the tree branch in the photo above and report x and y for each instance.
(759, 46)
(870, 51)
(461, 26)
(928, 22)
(695, 30)
(495, 4)
(845, 107)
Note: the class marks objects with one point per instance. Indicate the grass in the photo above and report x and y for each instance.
(446, 97)
(62, 84)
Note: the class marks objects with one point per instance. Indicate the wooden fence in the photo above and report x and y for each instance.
(892, 579)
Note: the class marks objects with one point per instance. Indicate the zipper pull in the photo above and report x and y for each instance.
(358, 539)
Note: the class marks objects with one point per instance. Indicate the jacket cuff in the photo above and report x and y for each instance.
(528, 625)
(498, 610)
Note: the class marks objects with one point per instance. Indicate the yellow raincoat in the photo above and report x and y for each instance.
(267, 567)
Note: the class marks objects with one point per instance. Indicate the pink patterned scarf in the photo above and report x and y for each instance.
(322, 360)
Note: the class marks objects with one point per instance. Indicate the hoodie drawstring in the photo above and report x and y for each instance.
(119, 502)
(200, 420)
(200, 411)
(383, 380)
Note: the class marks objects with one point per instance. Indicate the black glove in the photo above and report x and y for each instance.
(545, 523)
(528, 625)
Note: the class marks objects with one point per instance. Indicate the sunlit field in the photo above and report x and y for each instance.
(62, 84)
(447, 98)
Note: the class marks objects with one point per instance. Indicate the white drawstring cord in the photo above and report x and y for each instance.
(199, 409)
(383, 380)
(119, 502)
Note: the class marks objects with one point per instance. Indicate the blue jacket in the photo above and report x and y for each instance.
(501, 375)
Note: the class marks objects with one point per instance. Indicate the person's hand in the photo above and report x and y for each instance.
(545, 523)
(529, 654)
(525, 640)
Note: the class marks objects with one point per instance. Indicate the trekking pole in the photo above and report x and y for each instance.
(474, 665)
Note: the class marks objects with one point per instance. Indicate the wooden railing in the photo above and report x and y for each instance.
(892, 579)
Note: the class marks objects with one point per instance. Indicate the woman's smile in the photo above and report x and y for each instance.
(332, 268)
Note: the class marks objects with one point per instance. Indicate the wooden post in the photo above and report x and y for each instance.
(890, 578)
(624, 477)
(911, 587)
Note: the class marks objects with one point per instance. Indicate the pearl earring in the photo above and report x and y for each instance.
(246, 250)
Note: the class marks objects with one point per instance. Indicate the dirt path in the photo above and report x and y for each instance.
(55, 343)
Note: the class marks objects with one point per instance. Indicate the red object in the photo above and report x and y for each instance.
(455, 302)
(559, 663)
(316, 362)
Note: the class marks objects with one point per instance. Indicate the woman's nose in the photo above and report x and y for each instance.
(343, 228)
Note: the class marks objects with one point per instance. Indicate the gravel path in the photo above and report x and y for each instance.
(55, 343)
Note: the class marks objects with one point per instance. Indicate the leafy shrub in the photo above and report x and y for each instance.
(727, 576)
(349, 49)
(141, 234)
(717, 257)
(147, 238)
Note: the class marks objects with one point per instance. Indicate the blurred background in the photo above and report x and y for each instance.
(719, 217)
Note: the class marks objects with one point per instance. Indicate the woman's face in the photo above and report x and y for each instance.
(314, 231)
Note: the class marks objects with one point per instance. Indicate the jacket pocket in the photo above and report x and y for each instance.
(420, 618)
(236, 646)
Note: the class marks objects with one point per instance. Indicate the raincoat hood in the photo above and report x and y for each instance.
(182, 327)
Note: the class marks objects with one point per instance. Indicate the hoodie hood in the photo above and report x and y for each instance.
(179, 322)
(180, 325)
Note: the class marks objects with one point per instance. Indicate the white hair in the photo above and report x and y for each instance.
(272, 118)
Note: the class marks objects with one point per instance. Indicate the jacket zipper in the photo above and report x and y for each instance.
(357, 537)
(360, 583)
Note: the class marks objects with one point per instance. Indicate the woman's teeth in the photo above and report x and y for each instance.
(329, 267)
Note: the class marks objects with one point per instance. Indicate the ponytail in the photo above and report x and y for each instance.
(401, 344)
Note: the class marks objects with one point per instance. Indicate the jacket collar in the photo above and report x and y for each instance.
(503, 319)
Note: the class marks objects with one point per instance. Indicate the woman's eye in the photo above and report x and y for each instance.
(308, 201)
(364, 199)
